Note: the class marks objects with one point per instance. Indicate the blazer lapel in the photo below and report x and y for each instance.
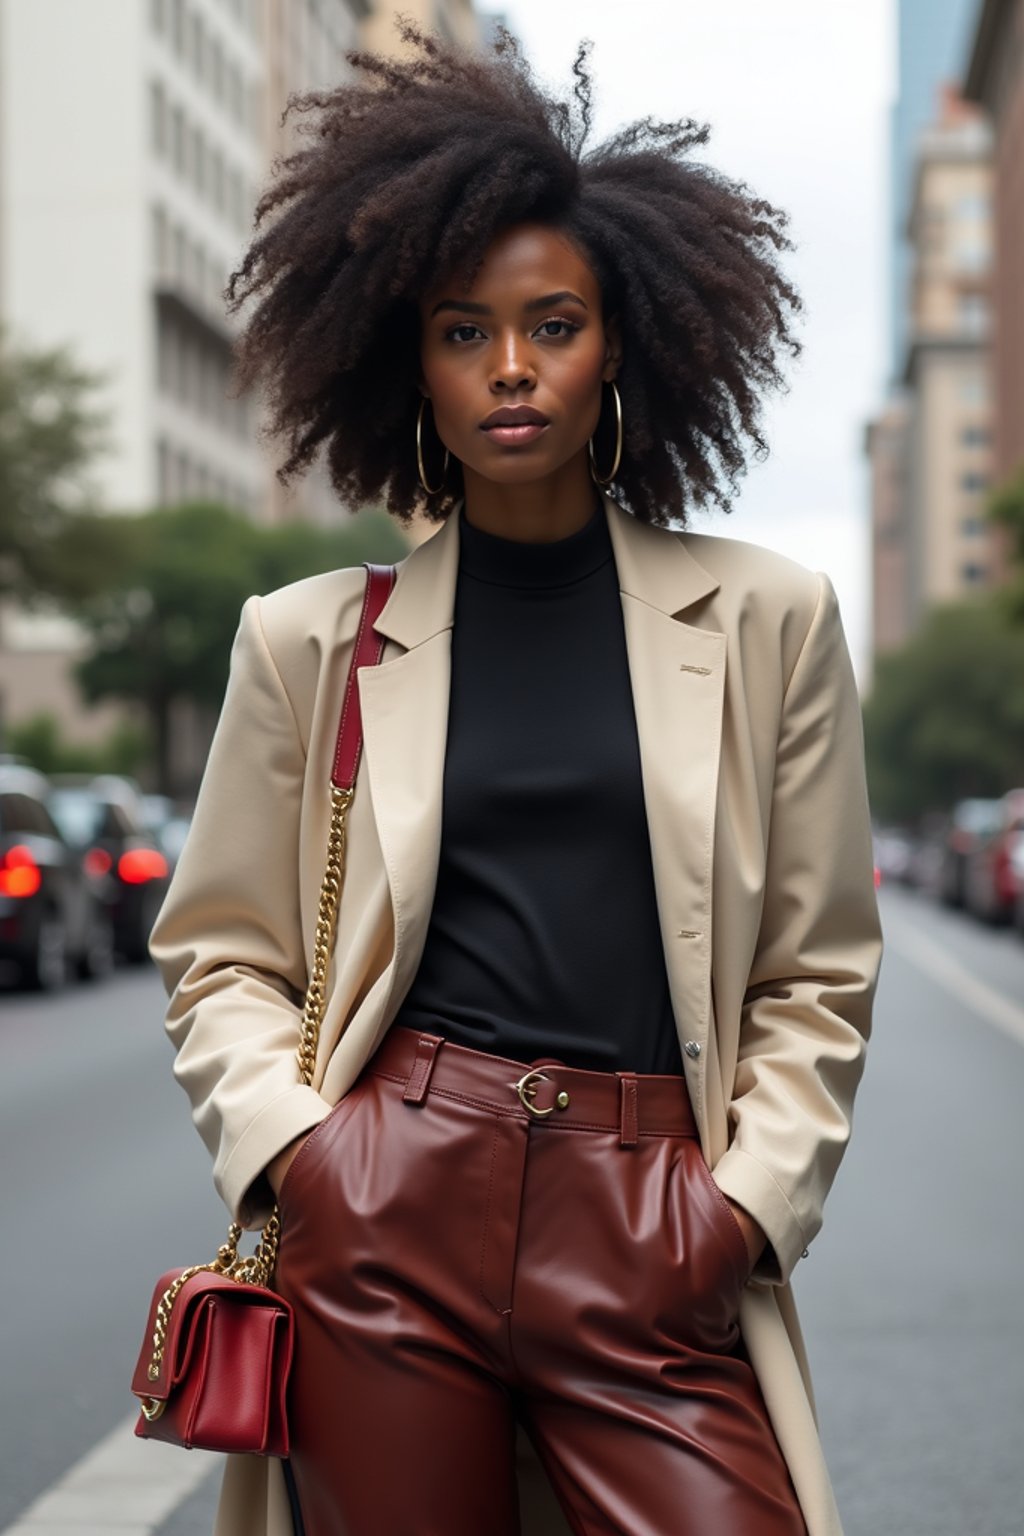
(404, 704)
(678, 677)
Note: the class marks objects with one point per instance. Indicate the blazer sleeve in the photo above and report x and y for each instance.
(806, 1014)
(228, 938)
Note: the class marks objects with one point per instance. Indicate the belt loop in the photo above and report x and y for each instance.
(422, 1067)
(629, 1092)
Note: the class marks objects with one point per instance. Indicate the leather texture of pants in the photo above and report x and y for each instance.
(463, 1254)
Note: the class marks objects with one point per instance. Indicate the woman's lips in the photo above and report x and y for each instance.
(515, 436)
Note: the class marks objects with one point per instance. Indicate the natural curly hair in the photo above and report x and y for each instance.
(411, 169)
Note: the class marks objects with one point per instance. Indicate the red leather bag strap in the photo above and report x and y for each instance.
(369, 649)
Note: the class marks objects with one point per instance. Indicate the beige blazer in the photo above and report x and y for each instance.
(752, 761)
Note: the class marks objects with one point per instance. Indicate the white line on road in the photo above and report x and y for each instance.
(995, 1007)
(122, 1487)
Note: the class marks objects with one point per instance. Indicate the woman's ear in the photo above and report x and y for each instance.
(613, 348)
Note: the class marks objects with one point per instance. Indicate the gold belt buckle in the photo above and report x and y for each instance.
(527, 1088)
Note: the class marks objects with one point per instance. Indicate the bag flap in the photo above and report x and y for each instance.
(191, 1306)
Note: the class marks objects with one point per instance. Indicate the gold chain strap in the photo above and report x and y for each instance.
(258, 1267)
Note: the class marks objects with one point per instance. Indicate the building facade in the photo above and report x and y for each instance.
(886, 450)
(134, 136)
(930, 448)
(951, 551)
(995, 78)
(931, 43)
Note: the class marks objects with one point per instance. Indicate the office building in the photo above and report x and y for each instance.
(995, 78)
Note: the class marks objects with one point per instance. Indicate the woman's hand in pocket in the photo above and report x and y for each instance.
(753, 1235)
(279, 1165)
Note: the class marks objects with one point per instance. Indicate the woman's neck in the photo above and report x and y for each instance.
(536, 511)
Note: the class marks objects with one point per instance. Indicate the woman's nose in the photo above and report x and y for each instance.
(513, 365)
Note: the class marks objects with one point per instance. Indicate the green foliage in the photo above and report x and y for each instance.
(1007, 509)
(39, 741)
(946, 715)
(50, 432)
(161, 593)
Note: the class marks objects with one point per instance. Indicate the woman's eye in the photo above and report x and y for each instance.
(458, 332)
(558, 328)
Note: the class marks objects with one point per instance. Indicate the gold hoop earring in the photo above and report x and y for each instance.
(431, 490)
(607, 479)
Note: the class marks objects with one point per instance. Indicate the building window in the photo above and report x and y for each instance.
(217, 69)
(235, 199)
(972, 254)
(971, 526)
(255, 110)
(165, 362)
(199, 161)
(178, 140)
(158, 117)
(160, 250)
(973, 206)
(178, 26)
(972, 309)
(974, 437)
(973, 389)
(973, 573)
(235, 93)
(217, 179)
(163, 472)
(974, 482)
(178, 254)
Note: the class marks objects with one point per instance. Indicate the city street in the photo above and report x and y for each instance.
(910, 1296)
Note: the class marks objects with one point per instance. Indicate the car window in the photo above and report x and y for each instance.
(77, 815)
(20, 813)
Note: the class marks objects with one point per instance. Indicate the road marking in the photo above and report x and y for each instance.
(995, 1007)
(124, 1486)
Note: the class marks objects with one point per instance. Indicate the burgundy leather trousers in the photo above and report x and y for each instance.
(469, 1242)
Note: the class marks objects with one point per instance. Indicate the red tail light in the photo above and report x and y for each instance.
(19, 872)
(98, 862)
(141, 864)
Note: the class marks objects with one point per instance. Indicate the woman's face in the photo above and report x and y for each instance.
(514, 367)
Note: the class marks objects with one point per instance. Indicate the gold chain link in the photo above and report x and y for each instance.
(258, 1268)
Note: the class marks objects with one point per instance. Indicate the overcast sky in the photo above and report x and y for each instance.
(797, 95)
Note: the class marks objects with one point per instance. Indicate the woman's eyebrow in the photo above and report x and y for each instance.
(466, 307)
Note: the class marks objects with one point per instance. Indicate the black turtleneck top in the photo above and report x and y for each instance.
(544, 937)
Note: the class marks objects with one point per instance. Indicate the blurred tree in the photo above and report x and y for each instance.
(40, 742)
(160, 596)
(946, 714)
(50, 432)
(1007, 508)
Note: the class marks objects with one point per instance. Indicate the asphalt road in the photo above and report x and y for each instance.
(910, 1296)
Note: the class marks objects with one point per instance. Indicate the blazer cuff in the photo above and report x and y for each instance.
(240, 1181)
(749, 1183)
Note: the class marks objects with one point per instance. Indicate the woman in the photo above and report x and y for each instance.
(608, 941)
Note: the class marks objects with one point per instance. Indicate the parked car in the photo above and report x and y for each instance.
(162, 818)
(103, 817)
(1017, 875)
(969, 822)
(990, 885)
(56, 913)
(894, 851)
